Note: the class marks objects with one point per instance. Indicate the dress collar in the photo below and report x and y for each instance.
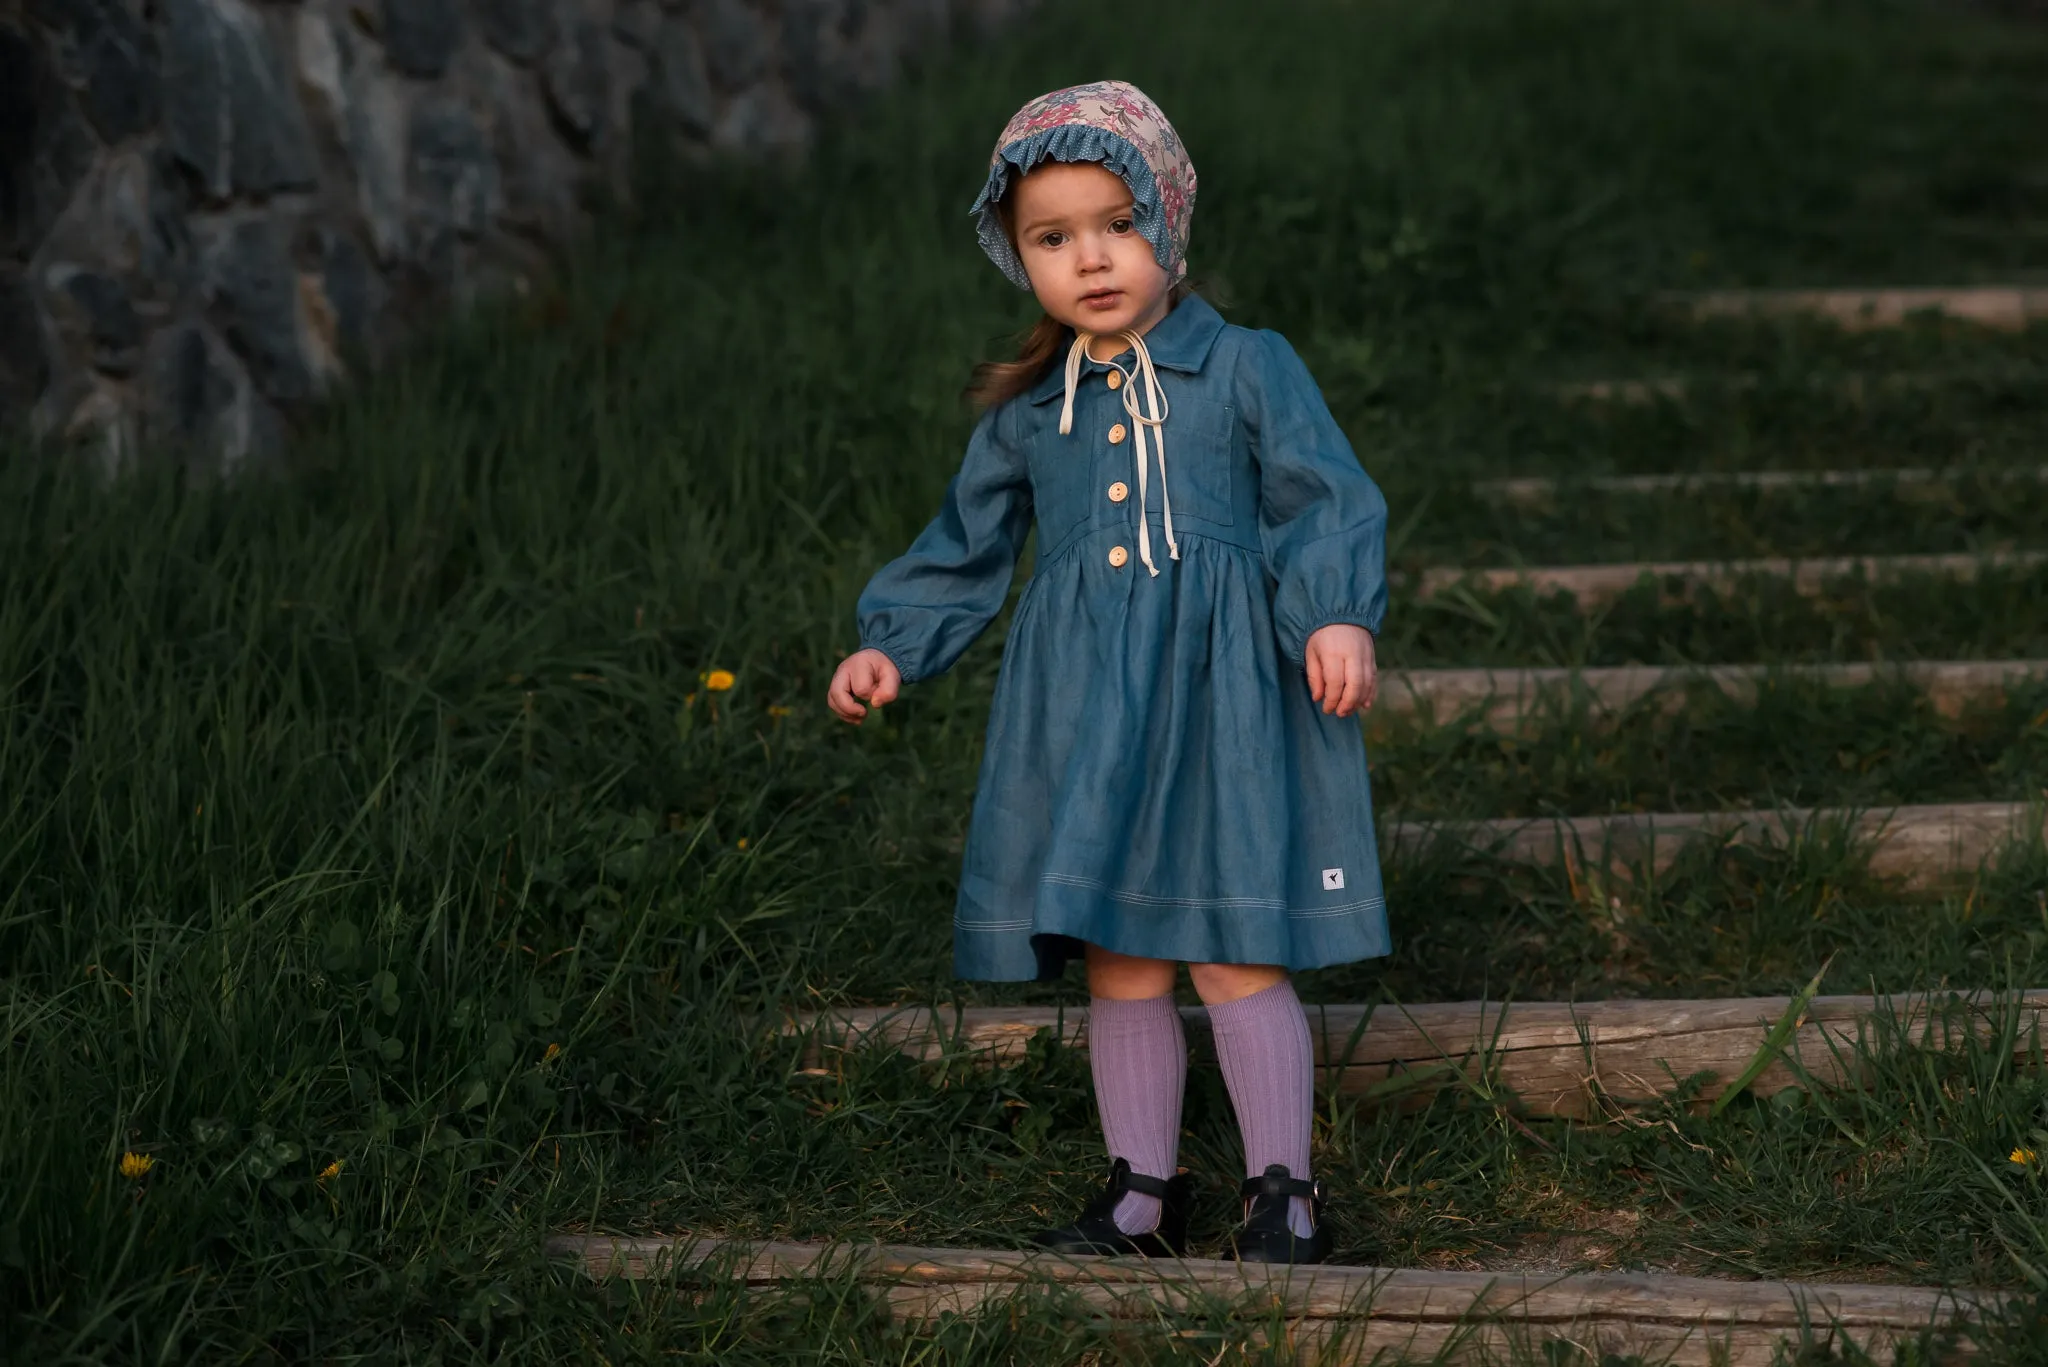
(1181, 341)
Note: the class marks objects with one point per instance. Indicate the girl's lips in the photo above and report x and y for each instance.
(1102, 299)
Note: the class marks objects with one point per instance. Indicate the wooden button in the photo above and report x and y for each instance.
(1116, 379)
(1117, 434)
(1117, 556)
(1118, 492)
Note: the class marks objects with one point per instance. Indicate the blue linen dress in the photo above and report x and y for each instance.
(1156, 778)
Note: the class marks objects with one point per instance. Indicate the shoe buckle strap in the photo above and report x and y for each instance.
(1267, 1185)
(1123, 1179)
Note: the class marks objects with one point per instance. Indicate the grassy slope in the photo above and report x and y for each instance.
(365, 818)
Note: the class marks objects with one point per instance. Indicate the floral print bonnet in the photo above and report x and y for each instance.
(1111, 122)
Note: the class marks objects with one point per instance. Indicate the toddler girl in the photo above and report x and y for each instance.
(1173, 770)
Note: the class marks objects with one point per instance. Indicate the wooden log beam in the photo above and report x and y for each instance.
(2008, 308)
(1510, 698)
(1598, 585)
(1355, 1313)
(1856, 387)
(1635, 391)
(1583, 1060)
(1916, 482)
(1922, 847)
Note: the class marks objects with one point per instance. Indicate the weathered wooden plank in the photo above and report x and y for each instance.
(2005, 307)
(1906, 482)
(1922, 847)
(1583, 1060)
(1682, 1320)
(1598, 585)
(1634, 391)
(1507, 698)
(1857, 387)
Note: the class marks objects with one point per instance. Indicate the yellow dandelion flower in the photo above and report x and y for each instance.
(743, 842)
(719, 680)
(136, 1166)
(2023, 1157)
(778, 711)
(331, 1171)
(553, 1051)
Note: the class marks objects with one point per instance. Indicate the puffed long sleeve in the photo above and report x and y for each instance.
(1322, 520)
(924, 608)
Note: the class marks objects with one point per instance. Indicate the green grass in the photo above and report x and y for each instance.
(1797, 744)
(1969, 513)
(1801, 407)
(375, 814)
(2004, 615)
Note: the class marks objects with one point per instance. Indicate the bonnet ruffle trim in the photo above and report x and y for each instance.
(1070, 142)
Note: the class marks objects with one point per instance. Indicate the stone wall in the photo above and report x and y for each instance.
(211, 209)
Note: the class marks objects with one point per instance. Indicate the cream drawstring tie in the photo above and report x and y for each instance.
(1155, 421)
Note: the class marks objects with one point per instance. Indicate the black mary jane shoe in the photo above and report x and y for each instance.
(1096, 1232)
(1265, 1236)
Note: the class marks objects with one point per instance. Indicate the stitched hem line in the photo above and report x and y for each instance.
(1319, 913)
(1146, 899)
(1225, 903)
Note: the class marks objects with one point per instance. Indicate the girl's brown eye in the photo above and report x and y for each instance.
(1052, 239)
(1121, 225)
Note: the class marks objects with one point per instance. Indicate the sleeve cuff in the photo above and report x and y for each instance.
(907, 674)
(1359, 618)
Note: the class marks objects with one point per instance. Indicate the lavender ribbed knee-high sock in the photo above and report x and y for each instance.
(1140, 1061)
(1268, 1061)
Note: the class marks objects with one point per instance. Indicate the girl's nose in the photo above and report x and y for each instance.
(1094, 253)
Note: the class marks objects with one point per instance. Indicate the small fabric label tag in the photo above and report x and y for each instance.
(1333, 879)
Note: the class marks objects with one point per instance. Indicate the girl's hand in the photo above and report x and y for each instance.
(865, 674)
(1343, 672)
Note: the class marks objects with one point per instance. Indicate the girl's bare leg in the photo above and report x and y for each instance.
(1126, 977)
(1220, 983)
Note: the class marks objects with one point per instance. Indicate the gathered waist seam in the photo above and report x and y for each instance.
(1082, 534)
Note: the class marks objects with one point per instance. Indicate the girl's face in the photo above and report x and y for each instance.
(1089, 265)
